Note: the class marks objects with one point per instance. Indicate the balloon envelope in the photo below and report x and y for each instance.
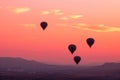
(90, 41)
(43, 25)
(72, 48)
(77, 59)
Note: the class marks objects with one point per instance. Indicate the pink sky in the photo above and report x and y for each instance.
(69, 21)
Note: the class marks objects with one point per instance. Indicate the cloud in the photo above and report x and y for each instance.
(109, 28)
(57, 12)
(53, 12)
(45, 12)
(64, 18)
(20, 10)
(97, 28)
(82, 26)
(28, 25)
(75, 16)
(60, 15)
(114, 29)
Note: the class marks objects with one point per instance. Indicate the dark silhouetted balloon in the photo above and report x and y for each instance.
(43, 25)
(77, 59)
(90, 42)
(72, 48)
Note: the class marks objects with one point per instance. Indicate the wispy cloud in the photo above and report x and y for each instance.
(52, 12)
(61, 15)
(58, 12)
(28, 25)
(20, 10)
(70, 17)
(75, 16)
(45, 12)
(97, 28)
(108, 28)
(64, 18)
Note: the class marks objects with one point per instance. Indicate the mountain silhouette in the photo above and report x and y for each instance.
(19, 67)
(19, 64)
(23, 65)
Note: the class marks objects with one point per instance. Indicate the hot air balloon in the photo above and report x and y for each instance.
(43, 25)
(72, 48)
(90, 41)
(77, 59)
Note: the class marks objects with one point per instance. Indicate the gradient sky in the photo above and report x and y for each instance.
(69, 21)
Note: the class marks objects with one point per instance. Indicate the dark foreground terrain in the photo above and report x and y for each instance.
(21, 69)
(55, 76)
